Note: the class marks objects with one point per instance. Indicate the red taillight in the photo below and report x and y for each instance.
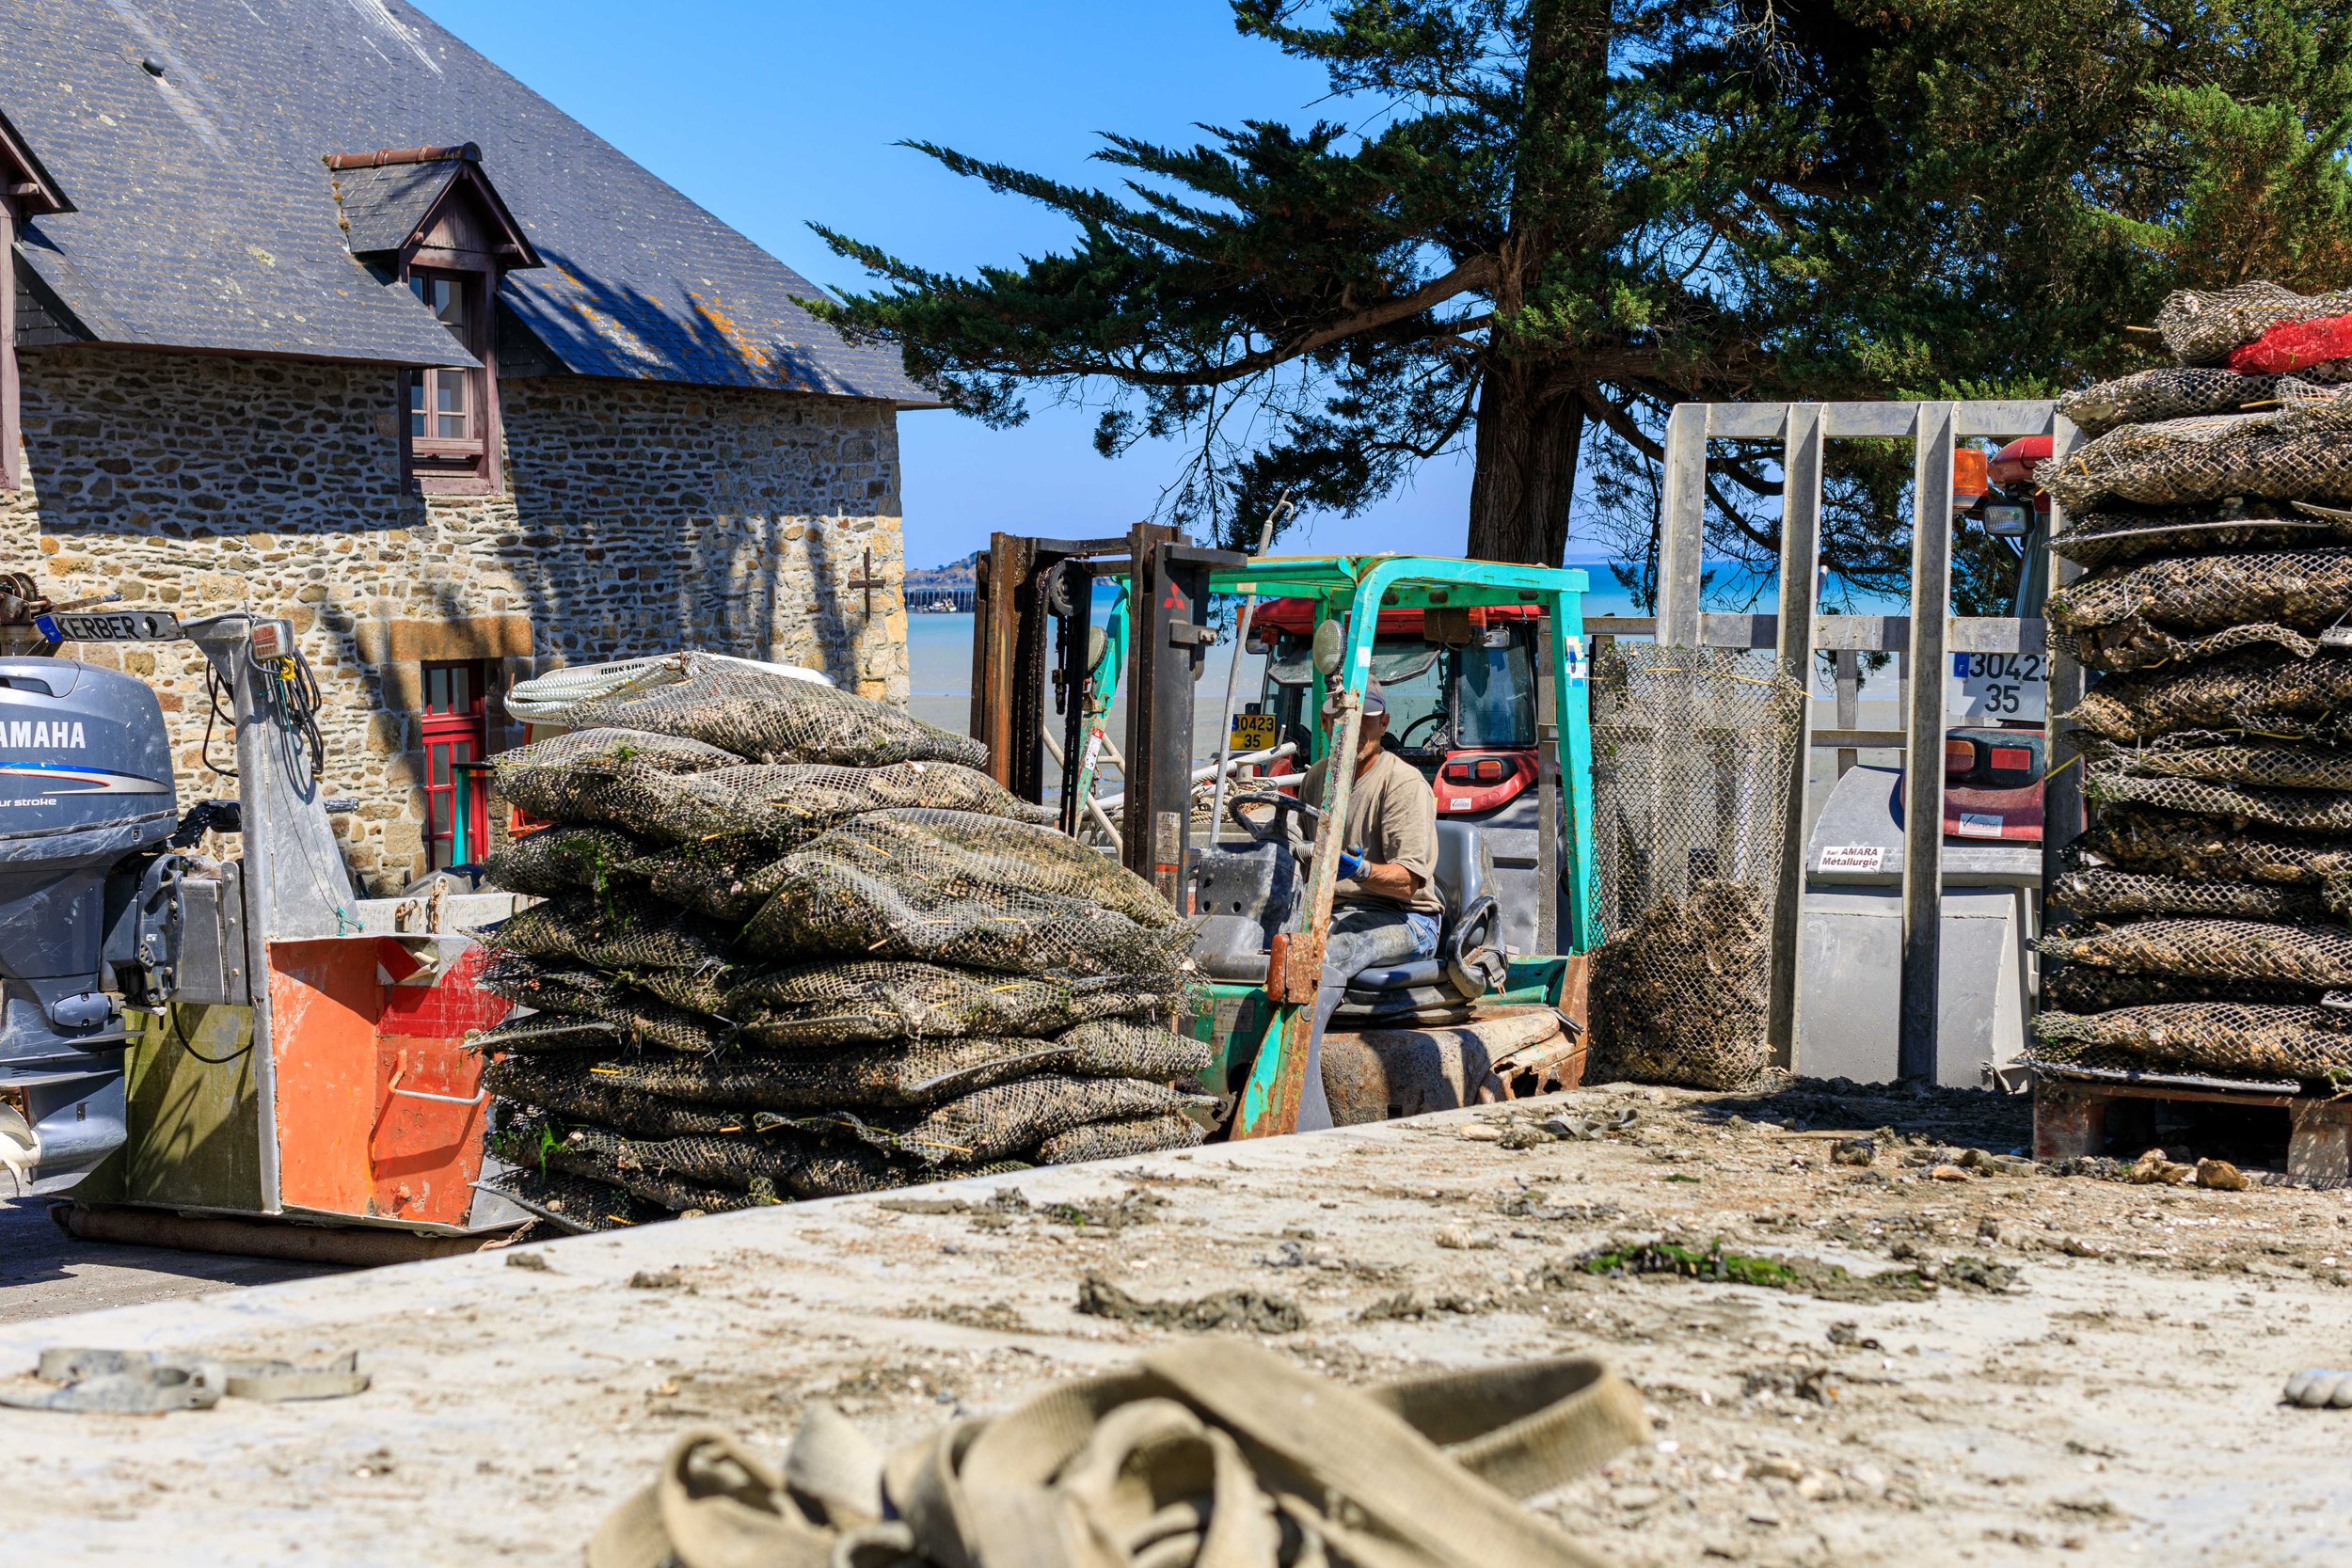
(1959, 756)
(2016, 759)
(1458, 771)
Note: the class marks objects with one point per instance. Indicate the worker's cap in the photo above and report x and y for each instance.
(1375, 700)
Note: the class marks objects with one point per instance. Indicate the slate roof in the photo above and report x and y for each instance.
(206, 218)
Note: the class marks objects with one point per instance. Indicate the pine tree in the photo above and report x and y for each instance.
(1550, 220)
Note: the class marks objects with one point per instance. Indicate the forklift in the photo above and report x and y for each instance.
(1499, 1011)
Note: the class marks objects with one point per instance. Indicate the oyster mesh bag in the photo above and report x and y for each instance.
(1004, 1118)
(2099, 891)
(561, 859)
(550, 1034)
(2194, 846)
(2309, 589)
(835, 1004)
(2203, 326)
(613, 933)
(760, 807)
(562, 987)
(954, 887)
(707, 1176)
(2296, 453)
(2167, 392)
(770, 717)
(2223, 1037)
(1692, 752)
(570, 1090)
(2115, 534)
(2253, 690)
(2075, 988)
(577, 777)
(723, 881)
(2220, 758)
(897, 1074)
(2300, 811)
(2215, 949)
(574, 1202)
(1114, 1140)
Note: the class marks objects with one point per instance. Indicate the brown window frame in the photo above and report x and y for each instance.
(472, 466)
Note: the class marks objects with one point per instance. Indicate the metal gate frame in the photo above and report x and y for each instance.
(1799, 631)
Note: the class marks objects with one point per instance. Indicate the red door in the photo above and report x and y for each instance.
(455, 732)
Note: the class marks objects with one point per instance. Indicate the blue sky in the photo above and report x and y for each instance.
(772, 112)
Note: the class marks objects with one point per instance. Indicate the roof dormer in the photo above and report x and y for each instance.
(428, 220)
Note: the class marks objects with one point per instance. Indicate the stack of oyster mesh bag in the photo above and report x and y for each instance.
(792, 944)
(2200, 926)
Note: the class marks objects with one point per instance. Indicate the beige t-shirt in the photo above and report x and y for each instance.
(1392, 815)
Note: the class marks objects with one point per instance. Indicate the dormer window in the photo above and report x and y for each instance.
(442, 403)
(428, 220)
(26, 192)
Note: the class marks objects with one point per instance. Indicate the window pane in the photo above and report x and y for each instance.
(453, 391)
(437, 691)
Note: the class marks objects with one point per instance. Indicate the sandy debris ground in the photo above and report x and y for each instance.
(2014, 1368)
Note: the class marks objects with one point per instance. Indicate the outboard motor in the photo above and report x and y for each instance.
(86, 798)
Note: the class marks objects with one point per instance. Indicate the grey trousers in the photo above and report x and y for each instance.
(1361, 937)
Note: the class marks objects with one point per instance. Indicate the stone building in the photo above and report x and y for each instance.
(308, 309)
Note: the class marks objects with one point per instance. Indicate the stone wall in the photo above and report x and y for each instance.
(639, 518)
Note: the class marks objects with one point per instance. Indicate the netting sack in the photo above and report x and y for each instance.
(2319, 350)
(723, 881)
(1005, 1118)
(2167, 392)
(2100, 891)
(2203, 326)
(2222, 1037)
(2225, 759)
(2251, 689)
(627, 934)
(596, 775)
(977, 892)
(906, 1073)
(837, 1003)
(710, 1176)
(2164, 841)
(2299, 451)
(770, 717)
(1116, 1140)
(2094, 540)
(570, 1091)
(2072, 989)
(2311, 589)
(2218, 949)
(1692, 753)
(766, 808)
(549, 1033)
(2299, 811)
(2137, 644)
(558, 860)
(574, 1203)
(555, 986)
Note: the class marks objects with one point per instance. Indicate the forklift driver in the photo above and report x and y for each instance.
(1384, 908)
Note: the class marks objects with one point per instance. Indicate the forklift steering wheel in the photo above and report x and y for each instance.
(1270, 829)
(1433, 716)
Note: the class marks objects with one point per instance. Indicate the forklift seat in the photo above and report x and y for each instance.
(1246, 893)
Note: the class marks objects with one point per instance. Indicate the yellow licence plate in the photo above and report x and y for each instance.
(1253, 732)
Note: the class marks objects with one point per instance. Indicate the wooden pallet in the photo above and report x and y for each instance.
(2069, 1118)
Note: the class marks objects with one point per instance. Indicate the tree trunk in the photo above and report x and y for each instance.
(1530, 430)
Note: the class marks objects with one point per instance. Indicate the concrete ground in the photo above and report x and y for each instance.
(2015, 1368)
(45, 1272)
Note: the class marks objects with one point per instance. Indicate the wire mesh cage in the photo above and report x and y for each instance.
(1693, 753)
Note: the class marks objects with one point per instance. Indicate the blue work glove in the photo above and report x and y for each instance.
(1351, 862)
